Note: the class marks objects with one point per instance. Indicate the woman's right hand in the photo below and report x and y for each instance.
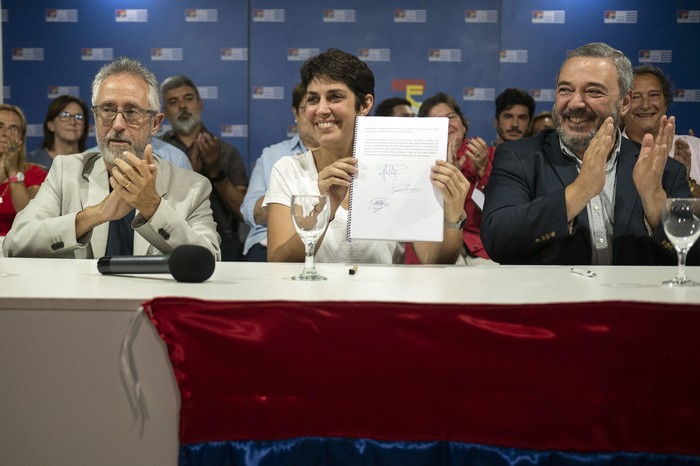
(335, 179)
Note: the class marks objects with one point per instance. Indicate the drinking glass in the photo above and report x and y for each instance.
(681, 219)
(310, 215)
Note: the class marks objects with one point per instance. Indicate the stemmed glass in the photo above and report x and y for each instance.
(681, 219)
(310, 215)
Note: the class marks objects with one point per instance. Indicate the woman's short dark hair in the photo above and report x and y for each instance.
(442, 98)
(56, 106)
(342, 67)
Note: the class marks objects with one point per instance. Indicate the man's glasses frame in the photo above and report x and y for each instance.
(134, 116)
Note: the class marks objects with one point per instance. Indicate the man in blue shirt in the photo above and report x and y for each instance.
(255, 248)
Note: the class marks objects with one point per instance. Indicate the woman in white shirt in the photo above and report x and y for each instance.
(339, 86)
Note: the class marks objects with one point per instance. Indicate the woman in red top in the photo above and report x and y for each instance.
(474, 158)
(19, 181)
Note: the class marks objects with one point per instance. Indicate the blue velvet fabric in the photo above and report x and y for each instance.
(314, 451)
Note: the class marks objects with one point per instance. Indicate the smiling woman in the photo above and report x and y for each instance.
(339, 88)
(65, 130)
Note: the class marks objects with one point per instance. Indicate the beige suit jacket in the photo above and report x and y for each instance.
(46, 227)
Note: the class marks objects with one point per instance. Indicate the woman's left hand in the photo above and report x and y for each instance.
(453, 186)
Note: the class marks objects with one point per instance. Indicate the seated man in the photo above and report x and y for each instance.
(92, 203)
(583, 194)
(255, 248)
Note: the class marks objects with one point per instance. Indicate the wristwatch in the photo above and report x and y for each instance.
(18, 178)
(460, 223)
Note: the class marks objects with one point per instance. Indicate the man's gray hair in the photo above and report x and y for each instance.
(173, 82)
(601, 50)
(125, 65)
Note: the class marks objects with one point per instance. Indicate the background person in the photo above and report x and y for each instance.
(514, 110)
(66, 129)
(19, 180)
(255, 247)
(542, 121)
(652, 95)
(475, 159)
(220, 162)
(394, 106)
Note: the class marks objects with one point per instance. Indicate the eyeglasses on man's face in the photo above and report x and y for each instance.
(65, 116)
(132, 115)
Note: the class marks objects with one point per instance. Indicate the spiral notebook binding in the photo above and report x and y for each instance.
(352, 182)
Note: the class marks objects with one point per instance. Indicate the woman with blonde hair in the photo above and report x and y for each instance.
(19, 180)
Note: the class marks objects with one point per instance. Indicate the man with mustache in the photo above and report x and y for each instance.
(122, 200)
(652, 94)
(583, 194)
(514, 110)
(210, 156)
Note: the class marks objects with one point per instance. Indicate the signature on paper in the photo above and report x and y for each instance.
(376, 205)
(391, 173)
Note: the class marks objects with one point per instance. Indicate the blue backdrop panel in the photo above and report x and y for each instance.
(245, 55)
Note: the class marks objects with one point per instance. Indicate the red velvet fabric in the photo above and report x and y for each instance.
(602, 376)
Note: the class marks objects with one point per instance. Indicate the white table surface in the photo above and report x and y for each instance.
(62, 401)
(76, 284)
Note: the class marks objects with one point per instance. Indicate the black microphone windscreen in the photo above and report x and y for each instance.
(191, 263)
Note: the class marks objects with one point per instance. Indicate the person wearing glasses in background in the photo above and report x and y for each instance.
(93, 204)
(19, 181)
(65, 130)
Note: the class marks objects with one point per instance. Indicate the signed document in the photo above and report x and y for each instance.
(391, 196)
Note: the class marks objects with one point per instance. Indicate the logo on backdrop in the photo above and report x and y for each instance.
(444, 55)
(655, 56)
(268, 16)
(513, 56)
(102, 54)
(481, 16)
(374, 54)
(268, 92)
(338, 16)
(548, 16)
(166, 54)
(410, 16)
(233, 54)
(688, 16)
(686, 95)
(62, 16)
(55, 91)
(29, 54)
(542, 95)
(131, 16)
(412, 89)
(201, 16)
(479, 94)
(620, 17)
(301, 54)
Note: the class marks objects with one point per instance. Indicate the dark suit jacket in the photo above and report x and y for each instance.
(524, 218)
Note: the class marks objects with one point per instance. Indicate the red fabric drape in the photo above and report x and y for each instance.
(603, 376)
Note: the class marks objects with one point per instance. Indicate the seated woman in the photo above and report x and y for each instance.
(19, 181)
(475, 159)
(65, 130)
(339, 87)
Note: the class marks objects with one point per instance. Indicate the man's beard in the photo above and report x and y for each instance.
(184, 123)
(111, 154)
(578, 143)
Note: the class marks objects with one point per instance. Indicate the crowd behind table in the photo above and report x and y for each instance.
(587, 189)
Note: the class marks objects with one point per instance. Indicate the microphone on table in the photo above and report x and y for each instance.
(188, 263)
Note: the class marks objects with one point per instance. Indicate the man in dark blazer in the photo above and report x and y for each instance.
(582, 194)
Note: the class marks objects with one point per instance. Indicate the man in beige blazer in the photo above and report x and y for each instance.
(84, 193)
